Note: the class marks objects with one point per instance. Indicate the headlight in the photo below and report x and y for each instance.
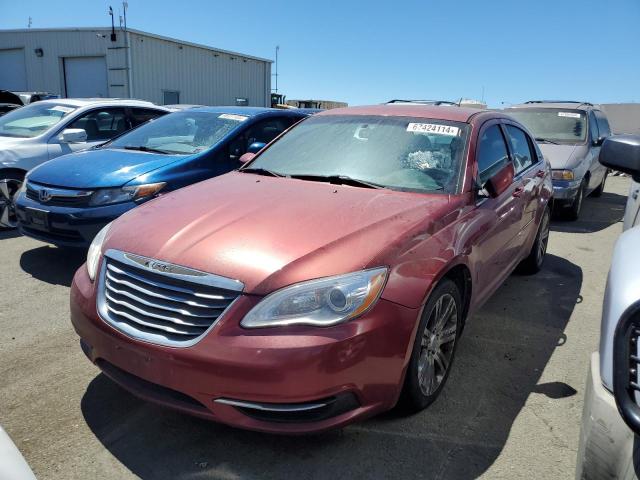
(319, 303)
(95, 252)
(107, 196)
(562, 174)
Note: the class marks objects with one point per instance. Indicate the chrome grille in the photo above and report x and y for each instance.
(161, 302)
(58, 196)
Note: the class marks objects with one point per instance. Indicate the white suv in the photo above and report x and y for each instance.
(44, 130)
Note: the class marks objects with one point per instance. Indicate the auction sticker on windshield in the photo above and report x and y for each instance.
(230, 116)
(433, 128)
(569, 114)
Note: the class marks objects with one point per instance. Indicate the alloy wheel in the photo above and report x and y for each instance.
(543, 239)
(437, 344)
(8, 189)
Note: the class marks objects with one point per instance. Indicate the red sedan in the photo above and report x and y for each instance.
(328, 279)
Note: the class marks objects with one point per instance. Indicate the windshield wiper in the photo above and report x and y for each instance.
(142, 148)
(338, 180)
(261, 171)
(546, 140)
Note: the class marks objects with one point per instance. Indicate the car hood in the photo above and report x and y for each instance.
(272, 232)
(559, 156)
(99, 168)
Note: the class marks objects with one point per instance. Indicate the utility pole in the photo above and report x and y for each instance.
(30, 22)
(276, 75)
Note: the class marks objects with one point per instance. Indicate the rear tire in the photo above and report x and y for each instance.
(10, 183)
(433, 348)
(533, 263)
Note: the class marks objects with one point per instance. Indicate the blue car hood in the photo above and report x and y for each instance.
(99, 168)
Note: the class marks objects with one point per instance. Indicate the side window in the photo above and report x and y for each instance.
(523, 156)
(492, 153)
(102, 124)
(267, 130)
(593, 126)
(142, 115)
(603, 124)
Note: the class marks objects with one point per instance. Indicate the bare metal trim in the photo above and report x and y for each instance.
(272, 407)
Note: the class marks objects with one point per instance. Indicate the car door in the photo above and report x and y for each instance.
(529, 169)
(100, 124)
(597, 169)
(497, 251)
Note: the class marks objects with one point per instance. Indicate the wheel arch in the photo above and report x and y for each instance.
(18, 171)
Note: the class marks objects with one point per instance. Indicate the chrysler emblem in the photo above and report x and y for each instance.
(44, 196)
(161, 267)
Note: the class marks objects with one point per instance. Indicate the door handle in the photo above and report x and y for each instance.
(518, 192)
(540, 173)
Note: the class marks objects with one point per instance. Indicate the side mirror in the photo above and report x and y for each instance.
(73, 135)
(622, 152)
(500, 181)
(246, 158)
(599, 141)
(255, 147)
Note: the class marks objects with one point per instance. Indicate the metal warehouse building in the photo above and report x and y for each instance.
(91, 62)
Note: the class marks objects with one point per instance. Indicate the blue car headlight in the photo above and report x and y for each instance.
(108, 196)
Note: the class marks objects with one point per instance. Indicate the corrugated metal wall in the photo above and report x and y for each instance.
(202, 76)
(623, 117)
(45, 73)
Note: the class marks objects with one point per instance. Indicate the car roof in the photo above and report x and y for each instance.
(249, 111)
(565, 104)
(441, 112)
(86, 102)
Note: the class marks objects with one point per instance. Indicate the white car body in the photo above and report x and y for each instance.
(26, 153)
(631, 218)
(12, 464)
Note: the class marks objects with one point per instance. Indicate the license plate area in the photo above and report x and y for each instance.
(37, 218)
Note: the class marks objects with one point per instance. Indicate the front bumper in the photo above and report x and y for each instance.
(355, 369)
(565, 191)
(606, 443)
(67, 226)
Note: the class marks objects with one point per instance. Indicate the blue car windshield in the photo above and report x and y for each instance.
(182, 133)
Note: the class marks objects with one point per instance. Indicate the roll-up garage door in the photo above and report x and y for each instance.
(85, 77)
(13, 72)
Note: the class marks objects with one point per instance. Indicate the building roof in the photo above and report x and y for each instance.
(441, 112)
(139, 32)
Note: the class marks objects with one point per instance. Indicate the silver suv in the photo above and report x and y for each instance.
(47, 129)
(570, 135)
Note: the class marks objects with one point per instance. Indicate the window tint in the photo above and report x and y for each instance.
(142, 115)
(603, 124)
(593, 126)
(102, 124)
(523, 157)
(492, 153)
(267, 130)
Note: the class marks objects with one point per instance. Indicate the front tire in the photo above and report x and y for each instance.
(10, 183)
(434, 347)
(599, 191)
(573, 212)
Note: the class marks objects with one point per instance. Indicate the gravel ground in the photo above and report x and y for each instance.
(511, 408)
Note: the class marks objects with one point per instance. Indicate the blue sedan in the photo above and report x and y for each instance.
(66, 201)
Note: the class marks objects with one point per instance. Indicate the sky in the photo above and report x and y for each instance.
(365, 52)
